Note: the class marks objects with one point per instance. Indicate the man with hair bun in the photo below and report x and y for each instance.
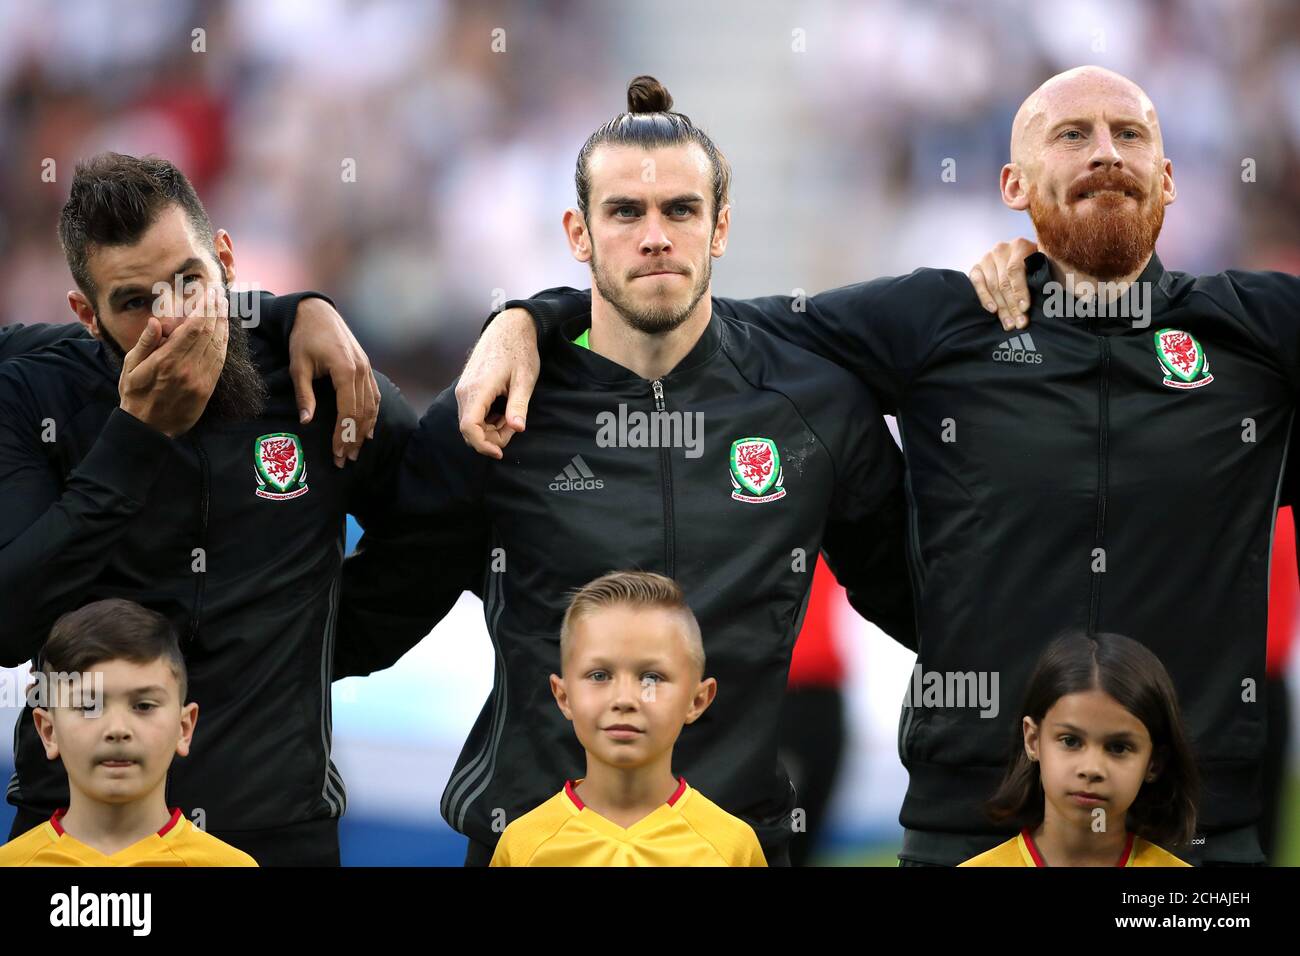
(666, 438)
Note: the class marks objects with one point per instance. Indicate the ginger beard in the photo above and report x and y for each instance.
(653, 320)
(1108, 241)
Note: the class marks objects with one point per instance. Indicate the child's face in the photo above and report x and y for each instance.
(119, 750)
(1093, 756)
(629, 684)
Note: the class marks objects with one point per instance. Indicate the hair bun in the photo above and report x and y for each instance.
(645, 94)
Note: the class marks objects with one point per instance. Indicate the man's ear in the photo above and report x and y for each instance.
(84, 311)
(1169, 190)
(1015, 190)
(225, 254)
(721, 230)
(575, 230)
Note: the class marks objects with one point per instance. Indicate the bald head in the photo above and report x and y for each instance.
(1076, 94)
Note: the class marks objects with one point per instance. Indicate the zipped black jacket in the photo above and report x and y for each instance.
(1067, 477)
(567, 505)
(109, 507)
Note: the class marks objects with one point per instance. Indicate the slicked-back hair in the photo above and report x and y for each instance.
(651, 123)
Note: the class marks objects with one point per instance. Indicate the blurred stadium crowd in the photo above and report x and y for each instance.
(462, 122)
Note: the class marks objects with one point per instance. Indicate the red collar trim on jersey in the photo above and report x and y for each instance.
(1033, 850)
(568, 789)
(175, 819)
(577, 801)
(1128, 849)
(1038, 857)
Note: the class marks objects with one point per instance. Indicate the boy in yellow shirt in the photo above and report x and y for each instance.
(111, 692)
(632, 663)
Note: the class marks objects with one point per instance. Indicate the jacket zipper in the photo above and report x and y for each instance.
(204, 495)
(666, 473)
(1103, 461)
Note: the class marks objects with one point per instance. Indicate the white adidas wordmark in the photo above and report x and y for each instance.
(1018, 349)
(576, 477)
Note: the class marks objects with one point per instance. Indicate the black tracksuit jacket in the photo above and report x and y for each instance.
(566, 505)
(1030, 456)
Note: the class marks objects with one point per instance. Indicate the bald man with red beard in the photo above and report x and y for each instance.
(1113, 464)
(1088, 163)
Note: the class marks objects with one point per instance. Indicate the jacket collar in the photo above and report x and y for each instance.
(1147, 296)
(584, 365)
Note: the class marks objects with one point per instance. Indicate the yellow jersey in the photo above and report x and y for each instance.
(1021, 851)
(688, 830)
(178, 843)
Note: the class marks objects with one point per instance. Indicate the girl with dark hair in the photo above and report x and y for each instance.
(1101, 771)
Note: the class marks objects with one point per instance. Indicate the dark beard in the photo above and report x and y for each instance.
(650, 321)
(240, 394)
(1111, 242)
